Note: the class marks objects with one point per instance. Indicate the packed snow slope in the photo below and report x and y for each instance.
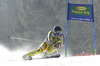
(68, 61)
(8, 58)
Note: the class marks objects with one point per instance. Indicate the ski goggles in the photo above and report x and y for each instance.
(58, 34)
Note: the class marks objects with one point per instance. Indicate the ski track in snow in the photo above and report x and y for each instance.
(8, 58)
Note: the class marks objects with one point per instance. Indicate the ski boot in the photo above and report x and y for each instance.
(26, 57)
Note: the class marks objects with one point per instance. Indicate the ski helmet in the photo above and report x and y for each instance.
(57, 29)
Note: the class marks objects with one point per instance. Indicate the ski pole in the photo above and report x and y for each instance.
(22, 39)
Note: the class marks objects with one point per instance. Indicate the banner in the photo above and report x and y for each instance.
(82, 12)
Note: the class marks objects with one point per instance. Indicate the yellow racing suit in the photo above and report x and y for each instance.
(50, 44)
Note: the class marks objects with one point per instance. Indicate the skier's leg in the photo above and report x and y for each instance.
(41, 49)
(52, 49)
(28, 56)
(35, 52)
(48, 53)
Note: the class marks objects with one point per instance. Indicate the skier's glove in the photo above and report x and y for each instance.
(57, 45)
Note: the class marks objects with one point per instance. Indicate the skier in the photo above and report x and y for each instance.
(53, 41)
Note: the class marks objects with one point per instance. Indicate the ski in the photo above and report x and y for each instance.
(53, 56)
(45, 57)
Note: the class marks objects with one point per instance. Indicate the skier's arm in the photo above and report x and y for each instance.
(49, 36)
(61, 42)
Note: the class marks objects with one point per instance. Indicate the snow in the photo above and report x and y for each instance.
(8, 58)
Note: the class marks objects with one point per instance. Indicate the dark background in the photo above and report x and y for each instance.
(32, 19)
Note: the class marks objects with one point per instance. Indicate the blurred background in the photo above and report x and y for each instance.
(32, 19)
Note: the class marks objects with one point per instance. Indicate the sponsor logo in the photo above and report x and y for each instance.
(81, 8)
